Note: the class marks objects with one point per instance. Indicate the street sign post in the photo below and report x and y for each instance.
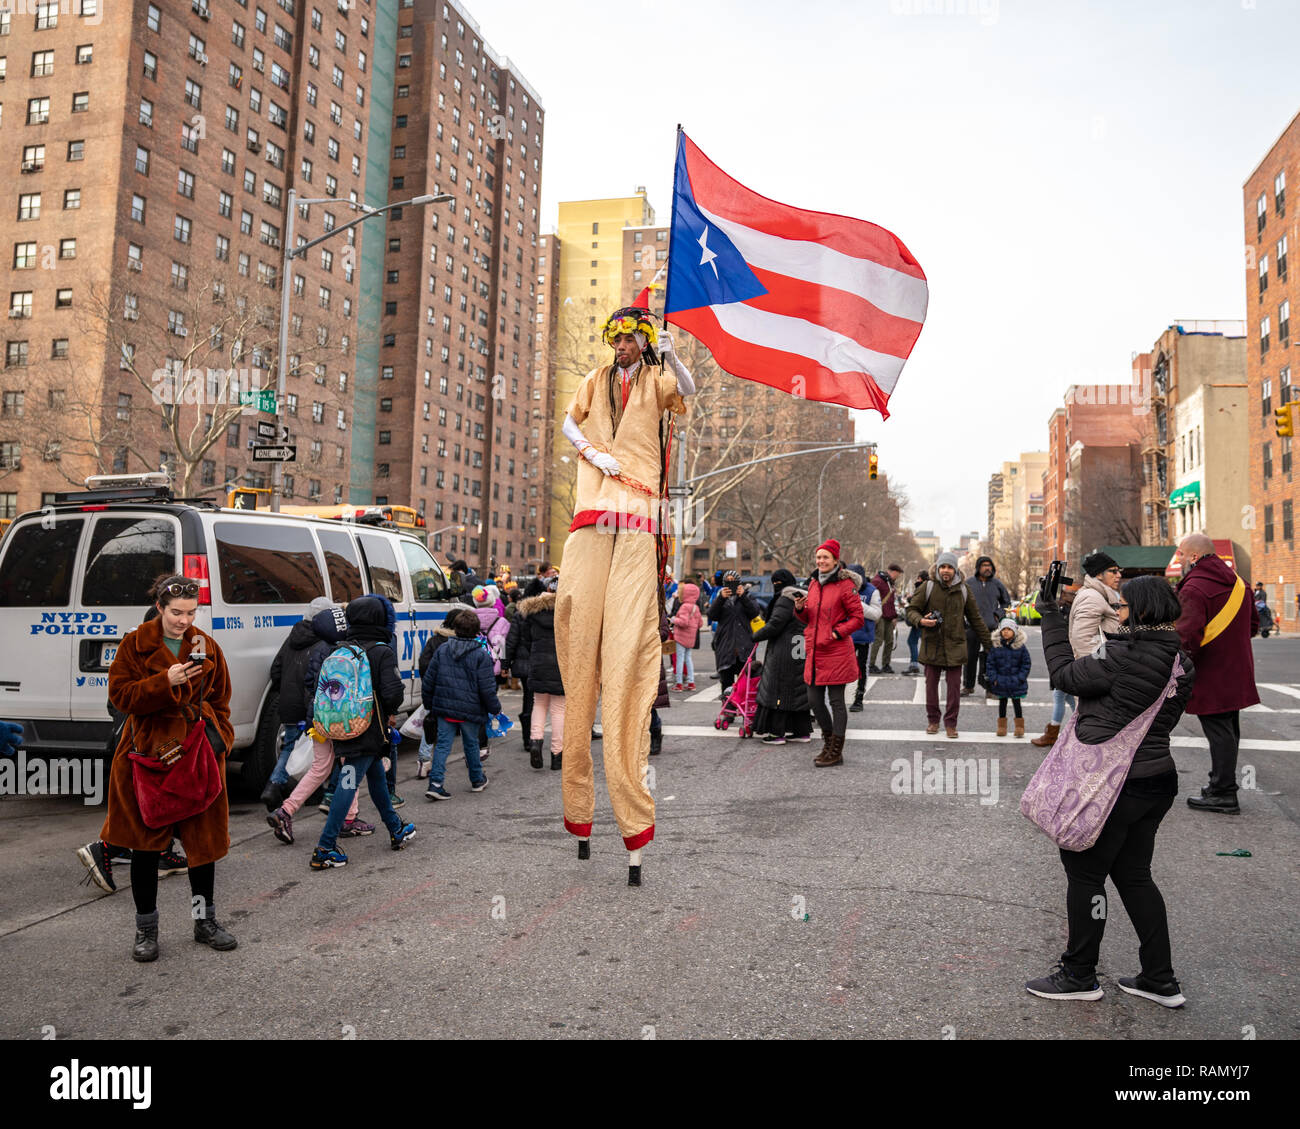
(680, 491)
(282, 454)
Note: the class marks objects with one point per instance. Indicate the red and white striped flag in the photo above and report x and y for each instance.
(821, 306)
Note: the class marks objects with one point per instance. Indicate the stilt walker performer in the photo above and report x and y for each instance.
(611, 583)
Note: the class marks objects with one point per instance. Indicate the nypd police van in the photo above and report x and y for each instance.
(73, 579)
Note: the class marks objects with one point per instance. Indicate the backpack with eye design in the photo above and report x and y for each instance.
(345, 704)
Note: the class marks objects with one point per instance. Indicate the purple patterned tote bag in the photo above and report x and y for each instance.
(1076, 786)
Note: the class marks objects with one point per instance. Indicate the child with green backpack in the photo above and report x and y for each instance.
(358, 690)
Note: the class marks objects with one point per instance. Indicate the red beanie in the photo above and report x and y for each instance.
(831, 546)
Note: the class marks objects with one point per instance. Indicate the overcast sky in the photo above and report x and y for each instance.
(1068, 173)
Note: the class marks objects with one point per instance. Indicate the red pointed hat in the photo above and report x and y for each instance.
(831, 546)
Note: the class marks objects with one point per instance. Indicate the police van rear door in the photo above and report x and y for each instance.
(39, 562)
(125, 553)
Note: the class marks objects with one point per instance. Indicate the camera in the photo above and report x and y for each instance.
(936, 616)
(1049, 586)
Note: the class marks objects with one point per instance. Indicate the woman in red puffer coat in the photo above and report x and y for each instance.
(832, 612)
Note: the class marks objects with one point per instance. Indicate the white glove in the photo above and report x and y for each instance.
(607, 464)
(665, 344)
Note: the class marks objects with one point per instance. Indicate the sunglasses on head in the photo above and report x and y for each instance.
(186, 589)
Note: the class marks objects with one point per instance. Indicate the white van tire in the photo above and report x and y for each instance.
(260, 756)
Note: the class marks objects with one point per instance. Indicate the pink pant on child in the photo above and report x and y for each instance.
(555, 704)
(321, 766)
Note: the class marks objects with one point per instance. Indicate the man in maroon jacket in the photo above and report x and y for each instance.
(1217, 623)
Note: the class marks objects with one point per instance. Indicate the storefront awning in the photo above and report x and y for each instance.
(1185, 496)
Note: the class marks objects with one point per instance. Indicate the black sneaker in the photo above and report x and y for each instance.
(99, 866)
(169, 863)
(1167, 995)
(1060, 985)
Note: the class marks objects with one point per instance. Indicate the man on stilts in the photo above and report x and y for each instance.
(611, 584)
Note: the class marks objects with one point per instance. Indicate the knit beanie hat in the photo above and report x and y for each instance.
(831, 546)
(1094, 564)
(1007, 624)
(946, 559)
(319, 604)
(480, 595)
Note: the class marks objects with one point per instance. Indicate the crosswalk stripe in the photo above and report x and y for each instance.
(913, 736)
(1290, 691)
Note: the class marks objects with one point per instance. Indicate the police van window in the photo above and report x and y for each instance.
(264, 562)
(37, 568)
(385, 580)
(126, 555)
(426, 577)
(342, 565)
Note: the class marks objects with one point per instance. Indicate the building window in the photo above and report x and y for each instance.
(71, 199)
(154, 18)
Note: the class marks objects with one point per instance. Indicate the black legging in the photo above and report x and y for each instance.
(835, 720)
(1002, 707)
(1123, 851)
(144, 880)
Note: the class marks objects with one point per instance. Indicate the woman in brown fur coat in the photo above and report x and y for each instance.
(162, 693)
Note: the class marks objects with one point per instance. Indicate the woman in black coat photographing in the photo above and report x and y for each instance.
(1116, 684)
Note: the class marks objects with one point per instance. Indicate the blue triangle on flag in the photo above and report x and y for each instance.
(704, 266)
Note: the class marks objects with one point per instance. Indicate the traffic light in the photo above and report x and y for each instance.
(1284, 420)
(243, 499)
(873, 463)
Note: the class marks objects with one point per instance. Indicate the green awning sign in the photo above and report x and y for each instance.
(1185, 496)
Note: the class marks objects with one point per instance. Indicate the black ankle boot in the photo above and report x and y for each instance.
(656, 742)
(856, 707)
(634, 876)
(535, 753)
(146, 937)
(208, 932)
(556, 759)
(584, 848)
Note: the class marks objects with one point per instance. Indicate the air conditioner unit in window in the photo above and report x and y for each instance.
(133, 264)
(180, 331)
(131, 315)
(254, 146)
(33, 166)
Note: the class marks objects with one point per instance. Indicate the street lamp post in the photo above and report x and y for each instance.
(290, 253)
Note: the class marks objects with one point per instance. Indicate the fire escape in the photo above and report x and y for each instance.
(1155, 459)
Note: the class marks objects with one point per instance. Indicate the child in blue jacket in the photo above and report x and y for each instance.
(459, 690)
(1007, 673)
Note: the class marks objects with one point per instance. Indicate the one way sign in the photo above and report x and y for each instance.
(274, 454)
(277, 433)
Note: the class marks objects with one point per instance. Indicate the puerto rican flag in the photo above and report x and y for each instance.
(818, 305)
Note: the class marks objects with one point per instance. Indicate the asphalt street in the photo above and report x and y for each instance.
(780, 900)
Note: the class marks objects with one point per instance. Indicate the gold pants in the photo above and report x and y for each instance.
(607, 642)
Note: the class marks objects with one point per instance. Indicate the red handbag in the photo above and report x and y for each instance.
(170, 793)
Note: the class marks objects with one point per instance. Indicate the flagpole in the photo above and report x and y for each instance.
(679, 518)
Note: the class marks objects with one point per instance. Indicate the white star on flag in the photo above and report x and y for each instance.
(708, 255)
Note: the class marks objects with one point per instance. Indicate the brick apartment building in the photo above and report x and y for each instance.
(1270, 288)
(454, 413)
(1092, 484)
(1186, 357)
(155, 153)
(169, 257)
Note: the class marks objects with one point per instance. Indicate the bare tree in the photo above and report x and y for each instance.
(1104, 504)
(193, 360)
(1016, 553)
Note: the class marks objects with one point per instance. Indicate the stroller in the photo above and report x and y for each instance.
(742, 702)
